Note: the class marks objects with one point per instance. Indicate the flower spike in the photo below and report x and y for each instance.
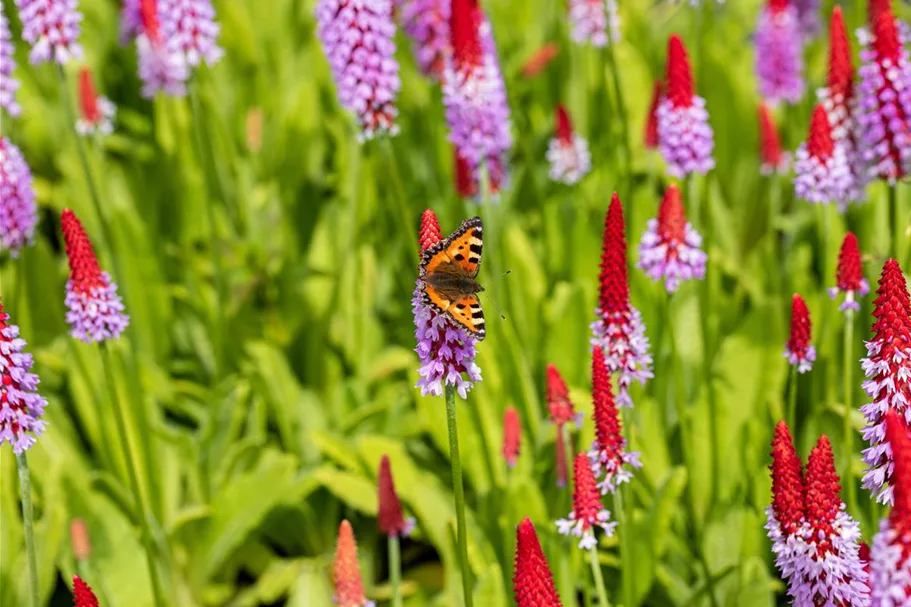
(849, 276)
(779, 52)
(588, 512)
(52, 28)
(96, 111)
(21, 407)
(8, 84)
(533, 582)
(823, 174)
(799, 351)
(590, 19)
(774, 160)
(426, 22)
(512, 435)
(18, 211)
(83, 596)
(670, 247)
(349, 587)
(389, 517)
(651, 121)
(567, 152)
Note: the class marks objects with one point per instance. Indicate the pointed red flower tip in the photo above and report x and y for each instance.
(892, 307)
(532, 581)
(540, 59)
(897, 433)
(876, 8)
(822, 497)
(787, 480)
(801, 326)
(586, 497)
(770, 143)
(679, 74)
(819, 143)
(561, 464)
(777, 6)
(651, 122)
(849, 275)
(88, 97)
(558, 404)
(464, 23)
(148, 14)
(82, 594)
(608, 433)
(85, 273)
(564, 129)
(512, 436)
(840, 80)
(430, 233)
(614, 277)
(885, 34)
(671, 216)
(349, 588)
(79, 540)
(389, 518)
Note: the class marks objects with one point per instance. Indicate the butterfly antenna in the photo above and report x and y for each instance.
(493, 299)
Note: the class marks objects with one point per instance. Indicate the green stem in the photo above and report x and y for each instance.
(847, 374)
(791, 413)
(894, 221)
(459, 493)
(621, 110)
(28, 522)
(133, 475)
(626, 556)
(598, 578)
(395, 569)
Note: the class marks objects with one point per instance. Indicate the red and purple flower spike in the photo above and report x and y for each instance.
(610, 461)
(670, 247)
(475, 96)
(83, 596)
(650, 140)
(779, 52)
(619, 330)
(349, 587)
(96, 112)
(390, 518)
(567, 152)
(162, 65)
(52, 28)
(532, 580)
(773, 158)
(884, 97)
(21, 407)
(588, 511)
(589, 20)
(18, 211)
(562, 413)
(684, 135)
(890, 554)
(95, 309)
(191, 26)
(426, 22)
(808, 16)
(849, 275)
(822, 172)
(445, 351)
(785, 514)
(358, 40)
(799, 352)
(888, 371)
(8, 84)
(512, 436)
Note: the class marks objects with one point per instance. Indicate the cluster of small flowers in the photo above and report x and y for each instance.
(592, 20)
(567, 152)
(670, 247)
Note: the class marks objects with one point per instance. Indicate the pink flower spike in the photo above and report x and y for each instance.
(588, 512)
(849, 276)
(774, 160)
(533, 582)
(18, 211)
(21, 407)
(349, 587)
(52, 28)
(389, 518)
(590, 19)
(822, 172)
(512, 435)
(426, 22)
(799, 351)
(567, 152)
(670, 248)
(96, 112)
(779, 53)
(8, 84)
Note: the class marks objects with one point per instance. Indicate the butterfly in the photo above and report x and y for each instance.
(448, 272)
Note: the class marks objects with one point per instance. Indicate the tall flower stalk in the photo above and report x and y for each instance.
(562, 416)
(18, 211)
(533, 582)
(393, 524)
(349, 586)
(671, 247)
(779, 52)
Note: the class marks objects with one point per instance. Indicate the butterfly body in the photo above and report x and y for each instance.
(449, 271)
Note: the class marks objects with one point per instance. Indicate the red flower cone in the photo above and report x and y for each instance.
(608, 455)
(389, 518)
(849, 276)
(349, 588)
(533, 581)
(588, 512)
(773, 158)
(82, 594)
(799, 351)
(512, 436)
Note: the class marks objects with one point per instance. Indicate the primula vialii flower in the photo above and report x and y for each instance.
(446, 352)
(475, 96)
(822, 171)
(532, 580)
(190, 26)
(8, 84)
(162, 65)
(609, 458)
(888, 371)
(95, 111)
(567, 152)
(82, 594)
(799, 352)
(389, 518)
(349, 588)
(588, 511)
(786, 514)
(884, 97)
(808, 16)
(52, 28)
(426, 22)
(590, 19)
(684, 135)
(849, 275)
(95, 309)
(670, 247)
(650, 139)
(774, 160)
(539, 60)
(619, 330)
(890, 555)
(779, 52)
(358, 40)
(21, 407)
(512, 436)
(79, 540)
(562, 413)
(18, 211)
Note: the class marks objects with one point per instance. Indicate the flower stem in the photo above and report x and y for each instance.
(894, 221)
(847, 374)
(132, 474)
(621, 110)
(395, 569)
(28, 521)
(626, 560)
(599, 579)
(791, 413)
(459, 492)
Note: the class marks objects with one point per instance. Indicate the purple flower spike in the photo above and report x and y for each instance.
(18, 211)
(162, 65)
(130, 20)
(808, 17)
(190, 26)
(779, 53)
(590, 20)
(21, 407)
(8, 84)
(52, 28)
(822, 171)
(357, 38)
(567, 152)
(426, 22)
(475, 96)
(670, 248)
